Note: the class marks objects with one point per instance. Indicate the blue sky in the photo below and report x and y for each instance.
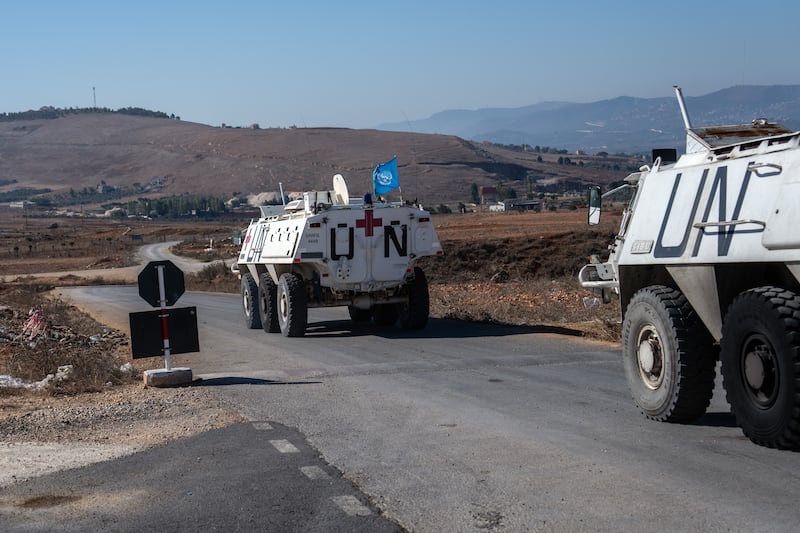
(359, 64)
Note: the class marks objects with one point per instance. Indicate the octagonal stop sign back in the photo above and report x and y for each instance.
(173, 283)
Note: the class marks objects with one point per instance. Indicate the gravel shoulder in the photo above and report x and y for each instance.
(40, 434)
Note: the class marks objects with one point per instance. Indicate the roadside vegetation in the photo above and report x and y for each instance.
(50, 347)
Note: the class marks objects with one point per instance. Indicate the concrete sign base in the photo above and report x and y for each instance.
(167, 378)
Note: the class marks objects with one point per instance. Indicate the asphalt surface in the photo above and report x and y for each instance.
(255, 476)
(475, 427)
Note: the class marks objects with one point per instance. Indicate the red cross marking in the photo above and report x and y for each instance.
(369, 222)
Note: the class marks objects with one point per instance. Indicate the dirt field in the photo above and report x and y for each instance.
(502, 267)
(33, 244)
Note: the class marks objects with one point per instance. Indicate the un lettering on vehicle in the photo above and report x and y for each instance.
(395, 238)
(716, 195)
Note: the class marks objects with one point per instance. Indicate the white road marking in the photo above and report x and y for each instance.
(262, 426)
(314, 472)
(351, 505)
(284, 446)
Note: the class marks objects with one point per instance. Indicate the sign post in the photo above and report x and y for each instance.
(162, 298)
(161, 284)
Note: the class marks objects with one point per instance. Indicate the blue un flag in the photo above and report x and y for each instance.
(384, 177)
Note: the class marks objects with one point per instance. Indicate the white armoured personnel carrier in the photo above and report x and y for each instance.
(707, 265)
(325, 250)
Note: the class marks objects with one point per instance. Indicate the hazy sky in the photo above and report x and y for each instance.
(358, 64)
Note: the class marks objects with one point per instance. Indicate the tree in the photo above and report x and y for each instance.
(475, 196)
(42, 201)
(505, 193)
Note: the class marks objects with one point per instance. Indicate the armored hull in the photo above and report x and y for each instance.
(707, 266)
(340, 252)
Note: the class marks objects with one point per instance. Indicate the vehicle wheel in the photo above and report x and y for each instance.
(668, 356)
(760, 352)
(268, 303)
(359, 315)
(385, 314)
(252, 318)
(292, 305)
(414, 313)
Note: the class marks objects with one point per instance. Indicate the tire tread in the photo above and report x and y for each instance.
(786, 305)
(695, 357)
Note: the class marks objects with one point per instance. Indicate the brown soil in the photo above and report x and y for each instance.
(56, 244)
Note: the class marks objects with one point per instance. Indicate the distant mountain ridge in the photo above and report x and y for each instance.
(622, 124)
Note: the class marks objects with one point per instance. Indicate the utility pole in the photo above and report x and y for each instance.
(94, 98)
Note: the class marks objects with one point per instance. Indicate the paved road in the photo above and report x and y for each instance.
(158, 251)
(473, 427)
(257, 476)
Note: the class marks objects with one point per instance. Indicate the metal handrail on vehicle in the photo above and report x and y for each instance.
(703, 225)
(583, 279)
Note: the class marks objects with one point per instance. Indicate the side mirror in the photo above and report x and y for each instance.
(595, 199)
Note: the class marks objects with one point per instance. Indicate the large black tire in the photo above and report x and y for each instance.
(292, 305)
(668, 356)
(414, 313)
(359, 315)
(252, 318)
(760, 351)
(385, 314)
(268, 303)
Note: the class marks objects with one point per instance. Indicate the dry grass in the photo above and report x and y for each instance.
(214, 277)
(536, 255)
(66, 337)
(559, 302)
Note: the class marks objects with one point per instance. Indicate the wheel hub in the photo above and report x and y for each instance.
(649, 357)
(646, 357)
(760, 371)
(284, 306)
(754, 370)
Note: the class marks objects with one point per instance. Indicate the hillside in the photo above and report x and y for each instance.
(161, 156)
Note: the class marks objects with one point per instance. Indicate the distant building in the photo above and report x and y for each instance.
(497, 207)
(488, 195)
(22, 204)
(525, 205)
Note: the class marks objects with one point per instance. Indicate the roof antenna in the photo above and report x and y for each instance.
(686, 122)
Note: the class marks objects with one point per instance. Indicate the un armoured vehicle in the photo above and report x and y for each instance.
(325, 250)
(707, 266)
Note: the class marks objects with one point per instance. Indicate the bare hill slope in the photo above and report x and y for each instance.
(79, 151)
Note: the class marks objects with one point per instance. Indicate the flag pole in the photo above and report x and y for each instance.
(399, 188)
(372, 196)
